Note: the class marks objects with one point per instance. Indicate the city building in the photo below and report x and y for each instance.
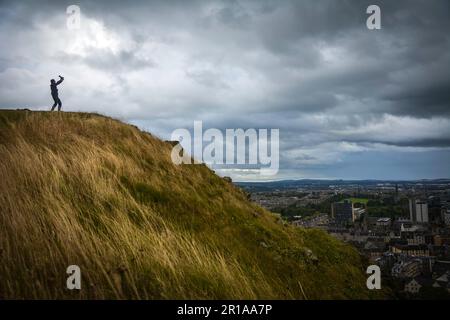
(415, 235)
(342, 212)
(407, 269)
(358, 212)
(383, 223)
(413, 286)
(446, 216)
(411, 250)
(418, 211)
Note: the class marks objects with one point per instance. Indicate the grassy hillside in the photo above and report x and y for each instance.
(89, 190)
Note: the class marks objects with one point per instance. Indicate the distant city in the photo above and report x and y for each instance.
(401, 226)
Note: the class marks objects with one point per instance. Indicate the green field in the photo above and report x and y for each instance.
(358, 200)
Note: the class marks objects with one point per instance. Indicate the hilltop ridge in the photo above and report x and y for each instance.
(88, 190)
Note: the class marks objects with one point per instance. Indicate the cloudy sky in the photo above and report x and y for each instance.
(349, 102)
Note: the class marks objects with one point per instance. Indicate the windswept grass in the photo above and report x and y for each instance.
(89, 190)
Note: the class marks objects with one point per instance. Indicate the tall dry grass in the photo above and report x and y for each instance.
(88, 190)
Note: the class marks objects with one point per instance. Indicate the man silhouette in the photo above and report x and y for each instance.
(54, 90)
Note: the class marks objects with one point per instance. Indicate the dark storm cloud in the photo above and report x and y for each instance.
(310, 68)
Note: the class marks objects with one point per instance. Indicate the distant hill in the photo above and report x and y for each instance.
(88, 190)
(320, 183)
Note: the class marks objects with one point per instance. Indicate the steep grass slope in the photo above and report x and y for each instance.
(88, 190)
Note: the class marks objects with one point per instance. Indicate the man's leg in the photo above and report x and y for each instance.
(59, 104)
(55, 100)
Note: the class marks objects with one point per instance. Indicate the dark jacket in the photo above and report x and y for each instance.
(53, 86)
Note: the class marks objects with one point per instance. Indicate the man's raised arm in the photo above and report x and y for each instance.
(61, 79)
